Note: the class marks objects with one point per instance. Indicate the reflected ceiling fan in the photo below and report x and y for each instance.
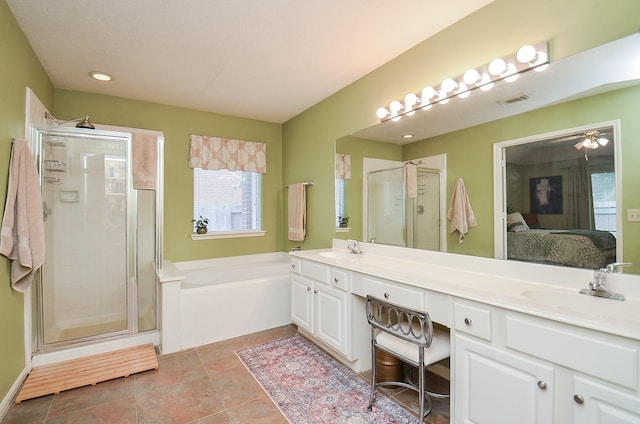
(588, 140)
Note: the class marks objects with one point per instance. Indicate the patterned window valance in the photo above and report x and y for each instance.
(343, 166)
(227, 153)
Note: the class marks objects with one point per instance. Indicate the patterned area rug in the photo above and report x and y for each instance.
(310, 387)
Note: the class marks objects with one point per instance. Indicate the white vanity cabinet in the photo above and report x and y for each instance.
(320, 303)
(511, 367)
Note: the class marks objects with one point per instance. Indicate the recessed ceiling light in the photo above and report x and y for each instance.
(100, 76)
(407, 136)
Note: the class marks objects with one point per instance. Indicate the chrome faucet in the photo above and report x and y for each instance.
(597, 287)
(354, 247)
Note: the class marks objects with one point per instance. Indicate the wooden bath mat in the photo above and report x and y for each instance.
(91, 370)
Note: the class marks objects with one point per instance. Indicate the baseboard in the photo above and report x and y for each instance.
(13, 391)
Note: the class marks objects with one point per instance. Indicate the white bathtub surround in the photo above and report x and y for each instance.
(216, 299)
(522, 335)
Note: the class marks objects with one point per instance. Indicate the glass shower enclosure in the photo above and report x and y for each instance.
(98, 277)
(394, 219)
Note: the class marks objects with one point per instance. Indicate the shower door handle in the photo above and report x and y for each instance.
(46, 211)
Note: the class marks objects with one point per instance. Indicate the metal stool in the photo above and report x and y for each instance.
(408, 335)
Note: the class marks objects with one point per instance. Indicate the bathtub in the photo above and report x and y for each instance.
(230, 297)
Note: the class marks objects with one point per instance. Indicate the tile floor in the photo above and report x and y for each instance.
(205, 385)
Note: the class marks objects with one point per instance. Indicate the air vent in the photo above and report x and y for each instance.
(518, 98)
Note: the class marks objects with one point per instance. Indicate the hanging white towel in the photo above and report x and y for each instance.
(460, 212)
(411, 180)
(22, 236)
(297, 212)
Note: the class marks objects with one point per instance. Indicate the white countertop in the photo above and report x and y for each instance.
(545, 291)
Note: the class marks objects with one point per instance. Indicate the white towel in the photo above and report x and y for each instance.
(297, 212)
(22, 239)
(460, 213)
(411, 180)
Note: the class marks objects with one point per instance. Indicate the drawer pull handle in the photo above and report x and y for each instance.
(336, 280)
(308, 288)
(578, 399)
(293, 266)
(542, 384)
(386, 295)
(467, 321)
(315, 292)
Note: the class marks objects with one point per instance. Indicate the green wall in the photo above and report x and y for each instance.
(19, 69)
(495, 30)
(177, 124)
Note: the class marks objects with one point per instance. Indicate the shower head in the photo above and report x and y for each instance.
(81, 122)
(85, 124)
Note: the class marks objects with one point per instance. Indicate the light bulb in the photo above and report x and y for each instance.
(410, 100)
(586, 142)
(603, 141)
(395, 107)
(526, 54)
(511, 73)
(427, 94)
(497, 66)
(448, 85)
(382, 113)
(472, 76)
(462, 91)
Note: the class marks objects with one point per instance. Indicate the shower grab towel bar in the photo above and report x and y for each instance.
(307, 183)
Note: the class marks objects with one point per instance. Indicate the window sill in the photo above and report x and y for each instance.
(227, 234)
(343, 229)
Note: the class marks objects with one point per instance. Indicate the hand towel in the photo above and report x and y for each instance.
(22, 234)
(144, 160)
(411, 180)
(460, 212)
(297, 212)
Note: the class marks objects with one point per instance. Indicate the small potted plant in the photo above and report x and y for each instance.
(344, 221)
(200, 225)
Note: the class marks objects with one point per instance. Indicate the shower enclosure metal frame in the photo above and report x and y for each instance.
(131, 215)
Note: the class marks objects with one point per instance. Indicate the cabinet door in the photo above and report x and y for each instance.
(302, 302)
(597, 404)
(331, 316)
(494, 387)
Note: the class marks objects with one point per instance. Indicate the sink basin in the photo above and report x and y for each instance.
(337, 255)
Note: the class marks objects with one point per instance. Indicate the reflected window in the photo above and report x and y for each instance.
(604, 201)
(341, 209)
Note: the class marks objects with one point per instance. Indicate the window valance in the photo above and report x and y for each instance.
(343, 166)
(227, 153)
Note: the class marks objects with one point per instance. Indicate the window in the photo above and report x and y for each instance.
(230, 200)
(604, 201)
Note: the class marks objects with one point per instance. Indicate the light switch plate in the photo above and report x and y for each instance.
(633, 215)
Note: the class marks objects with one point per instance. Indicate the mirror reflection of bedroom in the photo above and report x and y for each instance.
(561, 198)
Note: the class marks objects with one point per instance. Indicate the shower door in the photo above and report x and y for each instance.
(386, 207)
(83, 291)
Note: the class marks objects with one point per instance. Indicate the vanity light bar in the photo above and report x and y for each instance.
(508, 68)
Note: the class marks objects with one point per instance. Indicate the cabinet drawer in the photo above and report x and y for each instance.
(608, 357)
(340, 279)
(316, 271)
(472, 320)
(393, 293)
(295, 265)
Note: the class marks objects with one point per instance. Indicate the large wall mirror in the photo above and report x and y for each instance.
(596, 90)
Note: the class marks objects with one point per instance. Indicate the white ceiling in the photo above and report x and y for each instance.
(267, 60)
